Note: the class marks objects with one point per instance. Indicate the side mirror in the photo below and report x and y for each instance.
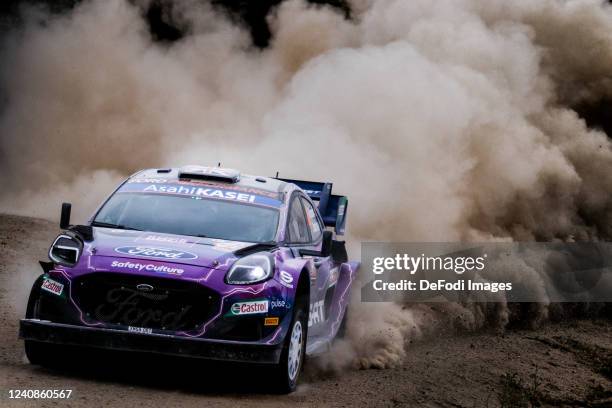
(65, 216)
(326, 245)
(338, 252)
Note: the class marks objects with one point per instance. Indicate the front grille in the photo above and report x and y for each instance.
(168, 304)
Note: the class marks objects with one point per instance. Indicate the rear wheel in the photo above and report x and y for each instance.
(287, 371)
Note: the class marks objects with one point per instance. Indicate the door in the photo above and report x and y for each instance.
(305, 231)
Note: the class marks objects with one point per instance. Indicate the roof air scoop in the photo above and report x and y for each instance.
(209, 173)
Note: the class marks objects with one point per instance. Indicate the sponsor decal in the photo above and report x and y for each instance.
(224, 186)
(166, 239)
(201, 192)
(52, 286)
(243, 308)
(143, 330)
(212, 192)
(276, 304)
(271, 321)
(152, 252)
(147, 267)
(311, 193)
(147, 180)
(286, 279)
(316, 314)
(229, 245)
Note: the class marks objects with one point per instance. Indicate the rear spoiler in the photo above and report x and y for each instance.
(332, 207)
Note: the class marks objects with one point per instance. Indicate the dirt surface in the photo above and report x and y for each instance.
(566, 364)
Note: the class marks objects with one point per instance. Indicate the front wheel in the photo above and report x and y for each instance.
(287, 371)
(43, 354)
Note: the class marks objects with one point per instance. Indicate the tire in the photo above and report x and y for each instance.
(40, 353)
(32, 309)
(287, 371)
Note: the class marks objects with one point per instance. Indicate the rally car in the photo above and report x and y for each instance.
(202, 262)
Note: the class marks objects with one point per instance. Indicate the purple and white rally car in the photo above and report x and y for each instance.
(202, 262)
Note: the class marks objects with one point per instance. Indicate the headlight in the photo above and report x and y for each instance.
(251, 269)
(66, 250)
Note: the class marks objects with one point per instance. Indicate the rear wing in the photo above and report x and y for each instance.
(332, 207)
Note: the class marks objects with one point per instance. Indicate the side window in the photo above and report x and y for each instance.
(313, 222)
(298, 228)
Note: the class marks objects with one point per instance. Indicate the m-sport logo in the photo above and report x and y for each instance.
(151, 252)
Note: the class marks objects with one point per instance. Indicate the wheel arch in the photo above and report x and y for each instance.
(33, 298)
(302, 291)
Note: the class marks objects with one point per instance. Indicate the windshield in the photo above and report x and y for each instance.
(194, 216)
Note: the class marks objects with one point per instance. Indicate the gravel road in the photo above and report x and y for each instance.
(560, 364)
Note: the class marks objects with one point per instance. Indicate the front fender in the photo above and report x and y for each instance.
(289, 269)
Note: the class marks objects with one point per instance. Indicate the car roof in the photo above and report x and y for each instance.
(245, 180)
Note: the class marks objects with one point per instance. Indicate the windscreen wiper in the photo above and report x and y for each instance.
(114, 226)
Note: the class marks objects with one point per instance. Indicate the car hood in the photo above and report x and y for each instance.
(163, 248)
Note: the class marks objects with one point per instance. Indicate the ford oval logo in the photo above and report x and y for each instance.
(159, 253)
(144, 287)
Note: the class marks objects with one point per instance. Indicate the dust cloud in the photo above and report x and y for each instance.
(442, 121)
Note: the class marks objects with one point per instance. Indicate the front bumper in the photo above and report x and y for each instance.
(111, 339)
